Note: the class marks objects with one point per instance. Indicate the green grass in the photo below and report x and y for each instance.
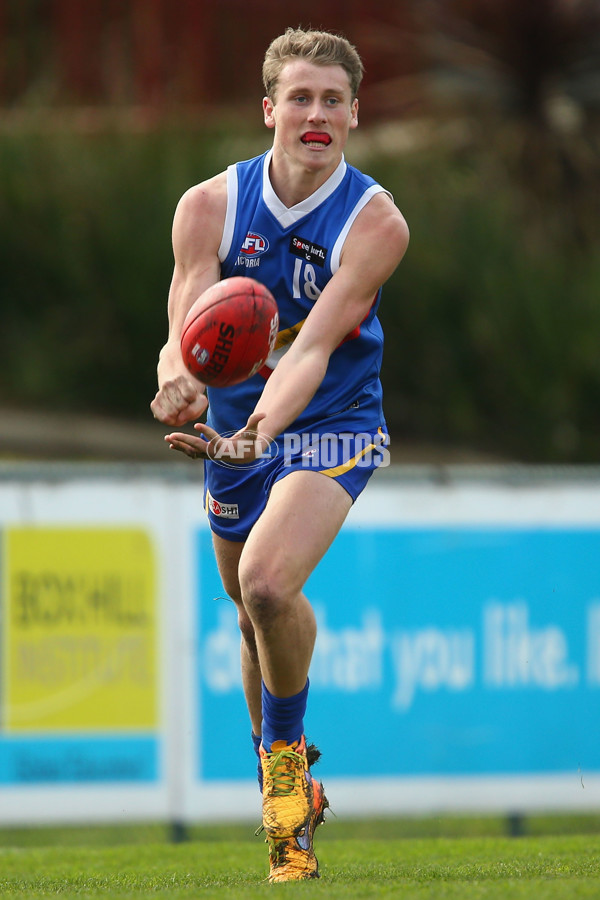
(358, 860)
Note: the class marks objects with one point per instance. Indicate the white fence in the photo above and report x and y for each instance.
(457, 666)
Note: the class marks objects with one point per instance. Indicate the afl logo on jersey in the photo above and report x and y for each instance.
(254, 244)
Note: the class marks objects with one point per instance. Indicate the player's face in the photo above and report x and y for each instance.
(312, 113)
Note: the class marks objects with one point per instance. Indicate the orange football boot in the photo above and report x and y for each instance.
(293, 805)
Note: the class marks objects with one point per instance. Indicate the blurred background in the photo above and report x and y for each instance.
(481, 116)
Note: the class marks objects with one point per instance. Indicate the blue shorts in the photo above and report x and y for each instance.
(235, 495)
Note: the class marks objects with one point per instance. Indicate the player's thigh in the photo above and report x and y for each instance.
(303, 515)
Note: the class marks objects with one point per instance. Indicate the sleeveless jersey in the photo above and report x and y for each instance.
(295, 252)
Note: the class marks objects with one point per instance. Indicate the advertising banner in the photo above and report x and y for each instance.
(457, 663)
(88, 731)
(457, 657)
(79, 641)
(440, 651)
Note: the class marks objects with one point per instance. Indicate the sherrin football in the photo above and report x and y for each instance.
(230, 331)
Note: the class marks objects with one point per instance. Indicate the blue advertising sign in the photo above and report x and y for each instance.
(441, 651)
(73, 760)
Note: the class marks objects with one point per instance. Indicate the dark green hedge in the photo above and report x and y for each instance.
(492, 321)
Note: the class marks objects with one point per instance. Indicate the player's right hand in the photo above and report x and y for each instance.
(243, 446)
(179, 400)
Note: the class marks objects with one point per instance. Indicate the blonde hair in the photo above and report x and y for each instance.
(322, 48)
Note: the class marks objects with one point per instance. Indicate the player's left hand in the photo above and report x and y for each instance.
(243, 446)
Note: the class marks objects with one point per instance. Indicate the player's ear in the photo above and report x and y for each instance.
(268, 111)
(354, 113)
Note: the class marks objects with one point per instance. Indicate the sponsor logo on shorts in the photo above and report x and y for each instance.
(222, 510)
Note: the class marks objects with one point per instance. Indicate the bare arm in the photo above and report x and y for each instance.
(197, 231)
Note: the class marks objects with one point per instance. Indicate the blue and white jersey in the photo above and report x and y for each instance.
(295, 252)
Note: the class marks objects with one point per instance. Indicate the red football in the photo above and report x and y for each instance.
(230, 331)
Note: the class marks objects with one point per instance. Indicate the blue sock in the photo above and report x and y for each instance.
(256, 739)
(283, 717)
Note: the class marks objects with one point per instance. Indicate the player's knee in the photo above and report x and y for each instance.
(264, 593)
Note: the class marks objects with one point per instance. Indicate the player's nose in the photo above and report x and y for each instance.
(317, 112)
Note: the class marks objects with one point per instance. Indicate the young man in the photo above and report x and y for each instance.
(324, 238)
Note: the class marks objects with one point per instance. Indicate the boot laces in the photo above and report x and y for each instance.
(283, 769)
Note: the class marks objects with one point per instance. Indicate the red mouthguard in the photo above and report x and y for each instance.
(319, 136)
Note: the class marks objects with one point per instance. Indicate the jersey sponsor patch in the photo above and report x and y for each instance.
(222, 510)
(307, 250)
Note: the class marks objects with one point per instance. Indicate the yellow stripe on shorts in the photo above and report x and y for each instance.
(345, 467)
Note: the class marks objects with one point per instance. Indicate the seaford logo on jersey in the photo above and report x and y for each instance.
(312, 253)
(254, 246)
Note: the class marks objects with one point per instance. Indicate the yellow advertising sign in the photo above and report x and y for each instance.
(79, 630)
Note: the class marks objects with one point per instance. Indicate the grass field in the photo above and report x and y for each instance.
(358, 860)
